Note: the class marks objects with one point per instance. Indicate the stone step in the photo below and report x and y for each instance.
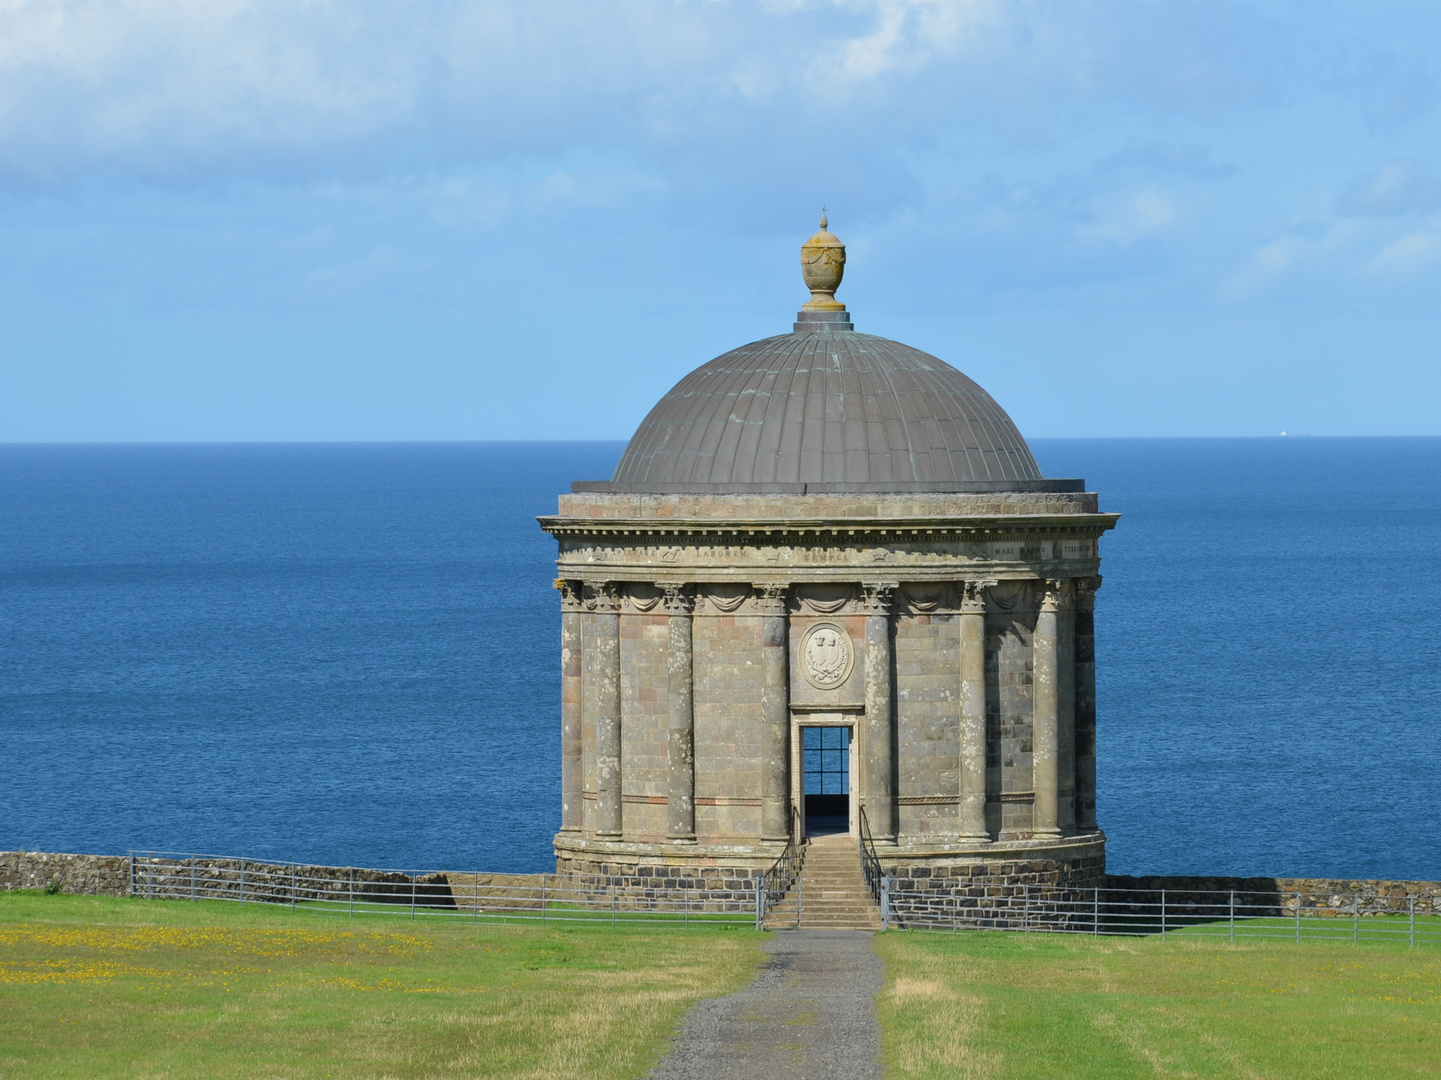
(832, 890)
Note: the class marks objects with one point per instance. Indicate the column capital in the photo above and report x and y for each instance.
(973, 596)
(877, 597)
(603, 596)
(771, 598)
(570, 594)
(1060, 594)
(676, 597)
(1086, 591)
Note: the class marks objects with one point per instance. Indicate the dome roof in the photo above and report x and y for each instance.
(836, 411)
(825, 409)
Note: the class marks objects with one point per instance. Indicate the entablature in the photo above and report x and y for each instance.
(989, 527)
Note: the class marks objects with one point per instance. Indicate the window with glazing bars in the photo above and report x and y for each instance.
(827, 760)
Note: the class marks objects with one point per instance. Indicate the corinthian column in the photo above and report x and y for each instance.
(971, 819)
(680, 739)
(880, 723)
(603, 601)
(1045, 716)
(775, 713)
(570, 705)
(1086, 702)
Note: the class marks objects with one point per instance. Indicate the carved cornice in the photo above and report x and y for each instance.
(877, 597)
(603, 596)
(871, 532)
(771, 599)
(570, 594)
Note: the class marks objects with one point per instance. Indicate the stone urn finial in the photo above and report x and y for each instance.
(823, 264)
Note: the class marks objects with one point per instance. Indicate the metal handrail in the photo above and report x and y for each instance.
(782, 873)
(870, 864)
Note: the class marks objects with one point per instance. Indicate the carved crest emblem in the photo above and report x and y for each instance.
(826, 655)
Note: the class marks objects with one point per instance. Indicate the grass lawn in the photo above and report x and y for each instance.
(97, 987)
(984, 1004)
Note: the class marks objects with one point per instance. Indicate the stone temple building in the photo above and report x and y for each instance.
(828, 590)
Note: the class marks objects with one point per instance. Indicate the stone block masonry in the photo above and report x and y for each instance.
(922, 889)
(84, 875)
(631, 887)
(238, 879)
(1318, 897)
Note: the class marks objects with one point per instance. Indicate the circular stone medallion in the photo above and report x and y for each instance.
(827, 655)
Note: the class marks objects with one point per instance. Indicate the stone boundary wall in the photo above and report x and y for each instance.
(921, 892)
(227, 879)
(202, 878)
(85, 875)
(1319, 897)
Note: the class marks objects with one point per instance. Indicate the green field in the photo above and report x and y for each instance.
(983, 1004)
(95, 987)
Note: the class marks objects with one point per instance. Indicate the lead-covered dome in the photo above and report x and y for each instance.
(825, 409)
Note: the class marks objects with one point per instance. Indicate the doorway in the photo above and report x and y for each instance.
(826, 767)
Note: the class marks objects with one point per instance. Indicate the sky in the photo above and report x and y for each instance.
(417, 219)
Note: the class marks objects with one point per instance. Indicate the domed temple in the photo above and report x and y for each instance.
(828, 591)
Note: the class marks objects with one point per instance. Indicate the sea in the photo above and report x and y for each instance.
(348, 653)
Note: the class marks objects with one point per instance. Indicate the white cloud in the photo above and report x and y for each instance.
(1136, 216)
(1402, 186)
(174, 89)
(1294, 255)
(1408, 255)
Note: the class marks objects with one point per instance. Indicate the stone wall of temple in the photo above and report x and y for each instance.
(928, 688)
(950, 621)
(644, 768)
(728, 691)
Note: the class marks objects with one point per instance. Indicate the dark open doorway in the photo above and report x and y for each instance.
(826, 753)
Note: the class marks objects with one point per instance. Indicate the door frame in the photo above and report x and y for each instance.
(850, 718)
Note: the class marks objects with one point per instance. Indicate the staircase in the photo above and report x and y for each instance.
(831, 892)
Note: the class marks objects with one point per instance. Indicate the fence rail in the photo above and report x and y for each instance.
(1231, 915)
(353, 891)
(474, 895)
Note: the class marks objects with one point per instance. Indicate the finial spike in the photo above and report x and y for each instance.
(824, 224)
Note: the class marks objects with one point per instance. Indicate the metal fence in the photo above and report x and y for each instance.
(544, 898)
(1233, 916)
(472, 895)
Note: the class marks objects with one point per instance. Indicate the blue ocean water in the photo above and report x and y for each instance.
(348, 653)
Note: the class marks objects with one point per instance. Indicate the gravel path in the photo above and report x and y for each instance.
(809, 1015)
